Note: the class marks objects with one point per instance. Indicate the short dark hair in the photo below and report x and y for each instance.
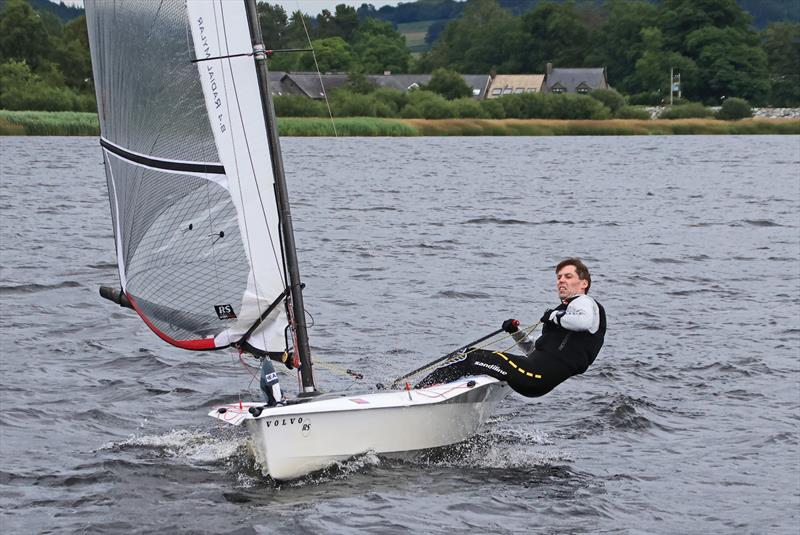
(580, 269)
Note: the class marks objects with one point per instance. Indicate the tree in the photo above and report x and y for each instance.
(343, 23)
(618, 43)
(73, 56)
(781, 42)
(554, 33)
(449, 84)
(486, 36)
(378, 48)
(679, 18)
(653, 67)
(333, 55)
(23, 35)
(730, 64)
(274, 23)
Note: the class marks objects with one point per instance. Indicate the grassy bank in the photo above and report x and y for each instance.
(34, 123)
(346, 126)
(48, 123)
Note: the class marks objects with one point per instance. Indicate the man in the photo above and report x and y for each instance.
(572, 335)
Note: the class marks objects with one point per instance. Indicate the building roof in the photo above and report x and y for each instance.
(571, 78)
(507, 84)
(308, 84)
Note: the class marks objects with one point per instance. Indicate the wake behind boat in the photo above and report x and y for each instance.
(203, 230)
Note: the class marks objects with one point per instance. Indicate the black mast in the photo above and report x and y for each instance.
(295, 288)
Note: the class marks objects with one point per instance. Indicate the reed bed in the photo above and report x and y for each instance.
(345, 126)
(611, 127)
(38, 123)
(48, 123)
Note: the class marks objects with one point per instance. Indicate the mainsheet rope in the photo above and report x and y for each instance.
(459, 356)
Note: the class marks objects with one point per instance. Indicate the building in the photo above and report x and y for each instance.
(313, 85)
(515, 84)
(575, 80)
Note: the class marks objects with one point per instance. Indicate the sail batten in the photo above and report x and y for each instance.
(188, 171)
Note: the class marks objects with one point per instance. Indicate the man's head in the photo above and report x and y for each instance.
(572, 278)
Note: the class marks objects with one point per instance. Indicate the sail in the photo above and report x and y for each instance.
(188, 168)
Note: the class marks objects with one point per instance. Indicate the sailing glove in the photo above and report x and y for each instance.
(546, 316)
(511, 325)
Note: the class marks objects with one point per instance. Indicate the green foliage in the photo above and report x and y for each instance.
(427, 105)
(552, 106)
(357, 126)
(494, 108)
(734, 108)
(486, 36)
(23, 35)
(632, 112)
(333, 54)
(554, 33)
(781, 42)
(347, 104)
(378, 48)
(358, 83)
(298, 106)
(40, 123)
(647, 98)
(391, 100)
(22, 89)
(468, 108)
(610, 99)
(449, 84)
(692, 110)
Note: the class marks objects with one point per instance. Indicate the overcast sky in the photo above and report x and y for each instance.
(312, 7)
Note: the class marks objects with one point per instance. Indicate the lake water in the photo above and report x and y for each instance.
(688, 422)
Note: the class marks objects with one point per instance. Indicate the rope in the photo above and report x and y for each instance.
(319, 74)
(459, 356)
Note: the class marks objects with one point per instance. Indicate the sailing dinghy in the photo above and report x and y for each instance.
(203, 229)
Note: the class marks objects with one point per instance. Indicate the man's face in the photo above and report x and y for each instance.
(568, 283)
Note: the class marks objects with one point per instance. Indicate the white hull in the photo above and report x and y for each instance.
(294, 440)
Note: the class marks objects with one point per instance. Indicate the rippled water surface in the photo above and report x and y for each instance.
(687, 422)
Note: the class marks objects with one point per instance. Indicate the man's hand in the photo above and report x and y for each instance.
(546, 316)
(287, 360)
(511, 326)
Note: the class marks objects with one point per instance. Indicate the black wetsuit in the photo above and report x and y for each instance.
(558, 354)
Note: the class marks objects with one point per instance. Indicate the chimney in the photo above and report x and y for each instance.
(549, 69)
(493, 72)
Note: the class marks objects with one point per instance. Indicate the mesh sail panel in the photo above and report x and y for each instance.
(149, 97)
(188, 169)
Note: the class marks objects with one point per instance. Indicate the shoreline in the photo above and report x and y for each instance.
(86, 124)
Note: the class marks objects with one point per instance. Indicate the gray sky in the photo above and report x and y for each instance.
(312, 7)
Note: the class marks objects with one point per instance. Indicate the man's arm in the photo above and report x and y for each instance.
(524, 342)
(582, 314)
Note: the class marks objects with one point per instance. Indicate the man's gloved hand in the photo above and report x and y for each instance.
(546, 316)
(287, 360)
(511, 325)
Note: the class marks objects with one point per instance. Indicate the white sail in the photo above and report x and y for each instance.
(189, 170)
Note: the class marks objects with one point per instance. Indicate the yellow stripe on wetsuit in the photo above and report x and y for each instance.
(514, 365)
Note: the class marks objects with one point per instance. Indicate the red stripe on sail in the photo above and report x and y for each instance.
(196, 345)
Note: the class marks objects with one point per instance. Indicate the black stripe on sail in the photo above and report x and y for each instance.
(167, 165)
